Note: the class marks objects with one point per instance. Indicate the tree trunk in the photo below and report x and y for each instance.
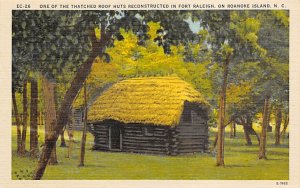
(263, 137)
(232, 130)
(62, 139)
(50, 116)
(53, 157)
(83, 140)
(70, 134)
(34, 119)
(221, 127)
(278, 125)
(248, 128)
(98, 48)
(247, 135)
(25, 115)
(41, 119)
(285, 125)
(216, 136)
(215, 141)
(19, 137)
(269, 127)
(252, 131)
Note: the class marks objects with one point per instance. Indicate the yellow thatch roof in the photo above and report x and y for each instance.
(147, 100)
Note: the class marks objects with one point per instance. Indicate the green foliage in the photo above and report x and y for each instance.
(129, 59)
(48, 40)
(274, 38)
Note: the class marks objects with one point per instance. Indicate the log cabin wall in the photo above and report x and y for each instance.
(145, 139)
(101, 134)
(190, 136)
(135, 138)
(192, 132)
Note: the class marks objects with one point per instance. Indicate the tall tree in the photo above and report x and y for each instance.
(18, 123)
(19, 72)
(278, 121)
(25, 117)
(221, 124)
(83, 140)
(50, 115)
(34, 118)
(285, 125)
(263, 137)
(233, 39)
(275, 39)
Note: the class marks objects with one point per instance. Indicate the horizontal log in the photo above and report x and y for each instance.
(100, 129)
(148, 152)
(192, 141)
(133, 132)
(139, 126)
(202, 136)
(101, 144)
(144, 145)
(192, 138)
(130, 148)
(101, 135)
(100, 141)
(100, 125)
(192, 134)
(100, 138)
(142, 137)
(143, 142)
(144, 149)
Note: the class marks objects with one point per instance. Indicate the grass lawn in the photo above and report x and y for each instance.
(241, 163)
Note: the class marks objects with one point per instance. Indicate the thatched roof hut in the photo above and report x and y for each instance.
(150, 100)
(157, 102)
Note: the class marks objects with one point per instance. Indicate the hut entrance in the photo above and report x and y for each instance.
(115, 138)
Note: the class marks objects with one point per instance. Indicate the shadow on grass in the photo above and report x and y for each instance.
(248, 150)
(92, 165)
(237, 166)
(275, 159)
(279, 146)
(277, 153)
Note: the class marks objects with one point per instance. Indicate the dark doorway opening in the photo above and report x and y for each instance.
(115, 138)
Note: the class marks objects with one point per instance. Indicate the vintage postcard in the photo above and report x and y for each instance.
(152, 94)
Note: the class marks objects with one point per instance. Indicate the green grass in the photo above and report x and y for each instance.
(241, 163)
